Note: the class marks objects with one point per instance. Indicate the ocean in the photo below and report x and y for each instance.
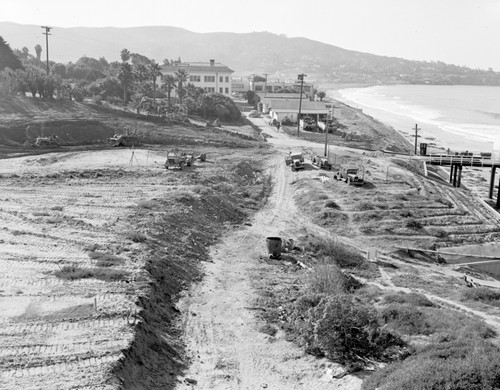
(461, 118)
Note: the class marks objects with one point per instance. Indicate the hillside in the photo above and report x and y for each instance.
(256, 52)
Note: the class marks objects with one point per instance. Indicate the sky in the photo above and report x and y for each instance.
(461, 32)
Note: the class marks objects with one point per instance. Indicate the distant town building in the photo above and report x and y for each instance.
(211, 76)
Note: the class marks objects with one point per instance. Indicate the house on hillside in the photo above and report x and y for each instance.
(211, 76)
(263, 100)
(283, 109)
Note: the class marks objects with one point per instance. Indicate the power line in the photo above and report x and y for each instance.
(47, 33)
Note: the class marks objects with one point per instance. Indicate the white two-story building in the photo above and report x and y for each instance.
(211, 76)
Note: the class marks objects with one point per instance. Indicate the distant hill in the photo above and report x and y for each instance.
(257, 52)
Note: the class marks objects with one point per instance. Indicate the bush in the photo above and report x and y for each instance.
(481, 294)
(335, 252)
(72, 272)
(136, 236)
(349, 331)
(412, 223)
(467, 364)
(415, 299)
(332, 205)
(330, 280)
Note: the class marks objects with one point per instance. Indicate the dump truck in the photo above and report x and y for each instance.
(308, 123)
(350, 175)
(322, 162)
(295, 160)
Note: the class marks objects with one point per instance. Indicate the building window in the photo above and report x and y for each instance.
(227, 90)
(221, 79)
(258, 87)
(209, 89)
(221, 90)
(227, 79)
(194, 79)
(269, 88)
(209, 79)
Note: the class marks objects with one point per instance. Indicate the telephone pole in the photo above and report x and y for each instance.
(416, 134)
(47, 33)
(301, 78)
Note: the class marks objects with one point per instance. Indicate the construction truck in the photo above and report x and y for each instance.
(295, 160)
(350, 175)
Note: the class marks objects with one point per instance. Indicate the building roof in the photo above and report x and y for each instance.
(197, 67)
(270, 95)
(287, 105)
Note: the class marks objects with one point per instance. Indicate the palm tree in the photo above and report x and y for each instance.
(141, 73)
(154, 72)
(321, 95)
(38, 50)
(125, 55)
(168, 85)
(125, 76)
(181, 76)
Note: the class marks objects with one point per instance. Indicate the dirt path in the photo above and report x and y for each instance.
(227, 350)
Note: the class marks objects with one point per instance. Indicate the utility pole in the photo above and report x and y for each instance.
(416, 134)
(301, 78)
(47, 33)
(326, 132)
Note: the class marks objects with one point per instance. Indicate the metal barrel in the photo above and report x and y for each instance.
(273, 246)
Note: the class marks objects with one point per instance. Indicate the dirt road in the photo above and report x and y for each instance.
(226, 348)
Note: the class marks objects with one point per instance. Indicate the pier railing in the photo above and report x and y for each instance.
(480, 160)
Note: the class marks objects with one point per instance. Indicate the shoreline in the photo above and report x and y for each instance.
(476, 133)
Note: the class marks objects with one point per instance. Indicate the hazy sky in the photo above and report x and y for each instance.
(463, 32)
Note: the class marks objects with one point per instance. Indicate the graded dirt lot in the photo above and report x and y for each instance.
(121, 274)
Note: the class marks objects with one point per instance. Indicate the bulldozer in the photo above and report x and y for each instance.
(126, 139)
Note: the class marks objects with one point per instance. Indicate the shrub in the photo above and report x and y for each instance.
(468, 364)
(365, 206)
(412, 223)
(415, 299)
(349, 331)
(72, 272)
(135, 236)
(332, 205)
(330, 280)
(335, 252)
(482, 294)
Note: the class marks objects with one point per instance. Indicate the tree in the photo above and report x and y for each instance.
(181, 76)
(168, 85)
(141, 73)
(154, 72)
(125, 76)
(7, 57)
(125, 55)
(59, 70)
(321, 95)
(38, 50)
